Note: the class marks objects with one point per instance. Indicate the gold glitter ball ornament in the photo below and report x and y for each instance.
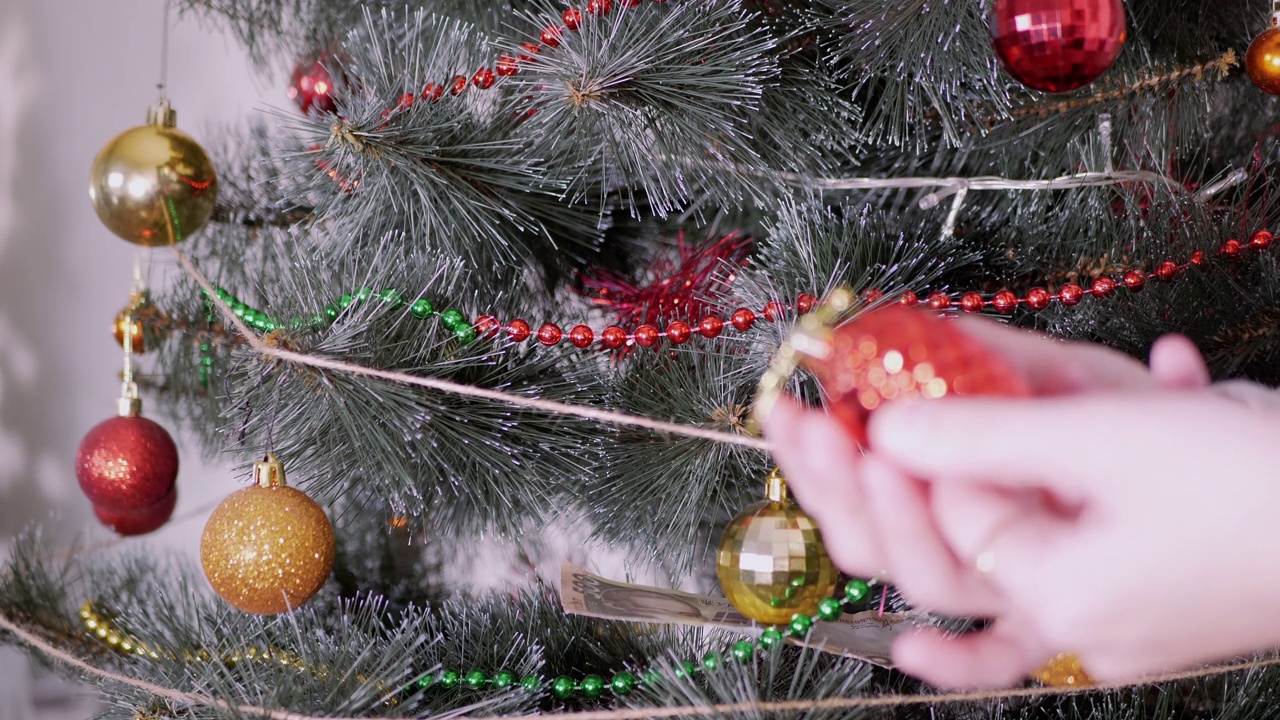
(153, 185)
(771, 562)
(1064, 670)
(268, 548)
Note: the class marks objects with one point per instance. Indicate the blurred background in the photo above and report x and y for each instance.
(73, 73)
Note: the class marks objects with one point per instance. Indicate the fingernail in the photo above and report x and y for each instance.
(893, 427)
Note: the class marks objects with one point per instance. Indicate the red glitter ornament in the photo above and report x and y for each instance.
(896, 354)
(572, 18)
(507, 66)
(805, 303)
(550, 36)
(483, 79)
(311, 86)
(432, 92)
(141, 523)
(458, 83)
(679, 288)
(1057, 45)
(127, 465)
(599, 7)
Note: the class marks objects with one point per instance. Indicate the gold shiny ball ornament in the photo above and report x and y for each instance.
(153, 185)
(1263, 60)
(771, 562)
(268, 548)
(1063, 671)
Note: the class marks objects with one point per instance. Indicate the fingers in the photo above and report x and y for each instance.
(823, 466)
(1000, 657)
(1055, 367)
(1176, 364)
(916, 555)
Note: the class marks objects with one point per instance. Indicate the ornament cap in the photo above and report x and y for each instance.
(269, 472)
(775, 487)
(162, 114)
(129, 406)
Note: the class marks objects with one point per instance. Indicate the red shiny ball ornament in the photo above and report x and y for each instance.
(939, 301)
(614, 337)
(311, 86)
(141, 523)
(1038, 299)
(872, 296)
(1057, 45)
(971, 302)
(805, 303)
(572, 18)
(487, 326)
(550, 36)
(127, 465)
(518, 331)
(1199, 260)
(772, 310)
(507, 66)
(406, 101)
(629, 3)
(1103, 288)
(679, 332)
(899, 354)
(1263, 61)
(1071, 294)
(1135, 280)
(581, 336)
(550, 334)
(1261, 240)
(432, 92)
(599, 7)
(483, 78)
(909, 299)
(1167, 270)
(743, 319)
(1005, 301)
(646, 336)
(458, 83)
(1231, 249)
(711, 326)
(532, 48)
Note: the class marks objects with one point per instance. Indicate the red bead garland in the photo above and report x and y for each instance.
(550, 334)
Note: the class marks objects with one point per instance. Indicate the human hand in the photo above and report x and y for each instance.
(824, 465)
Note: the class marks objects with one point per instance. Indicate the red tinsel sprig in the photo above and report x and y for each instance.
(680, 287)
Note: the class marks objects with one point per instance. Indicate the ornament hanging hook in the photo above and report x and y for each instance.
(163, 85)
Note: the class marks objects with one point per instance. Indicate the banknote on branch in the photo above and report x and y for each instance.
(865, 635)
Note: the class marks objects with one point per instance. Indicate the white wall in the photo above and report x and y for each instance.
(73, 73)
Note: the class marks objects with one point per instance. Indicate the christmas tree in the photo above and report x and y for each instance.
(501, 289)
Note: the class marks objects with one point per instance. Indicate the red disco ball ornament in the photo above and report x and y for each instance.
(127, 465)
(1057, 45)
(312, 85)
(897, 353)
(142, 523)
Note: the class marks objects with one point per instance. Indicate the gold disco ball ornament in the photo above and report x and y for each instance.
(268, 548)
(153, 185)
(772, 563)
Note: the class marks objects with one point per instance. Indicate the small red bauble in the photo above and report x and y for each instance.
(909, 299)
(679, 332)
(872, 296)
(406, 101)
(1005, 301)
(1261, 240)
(141, 523)
(1071, 294)
(939, 301)
(550, 334)
(532, 49)
(572, 18)
(1057, 45)
(646, 336)
(487, 326)
(772, 310)
(743, 319)
(599, 7)
(127, 465)
(1263, 60)
(432, 92)
(805, 303)
(897, 354)
(459, 83)
(311, 86)
(581, 336)
(629, 3)
(1038, 299)
(711, 326)
(1135, 280)
(1199, 260)
(971, 302)
(507, 66)
(1231, 249)
(483, 78)
(550, 36)
(518, 330)
(1167, 270)
(614, 337)
(1104, 288)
